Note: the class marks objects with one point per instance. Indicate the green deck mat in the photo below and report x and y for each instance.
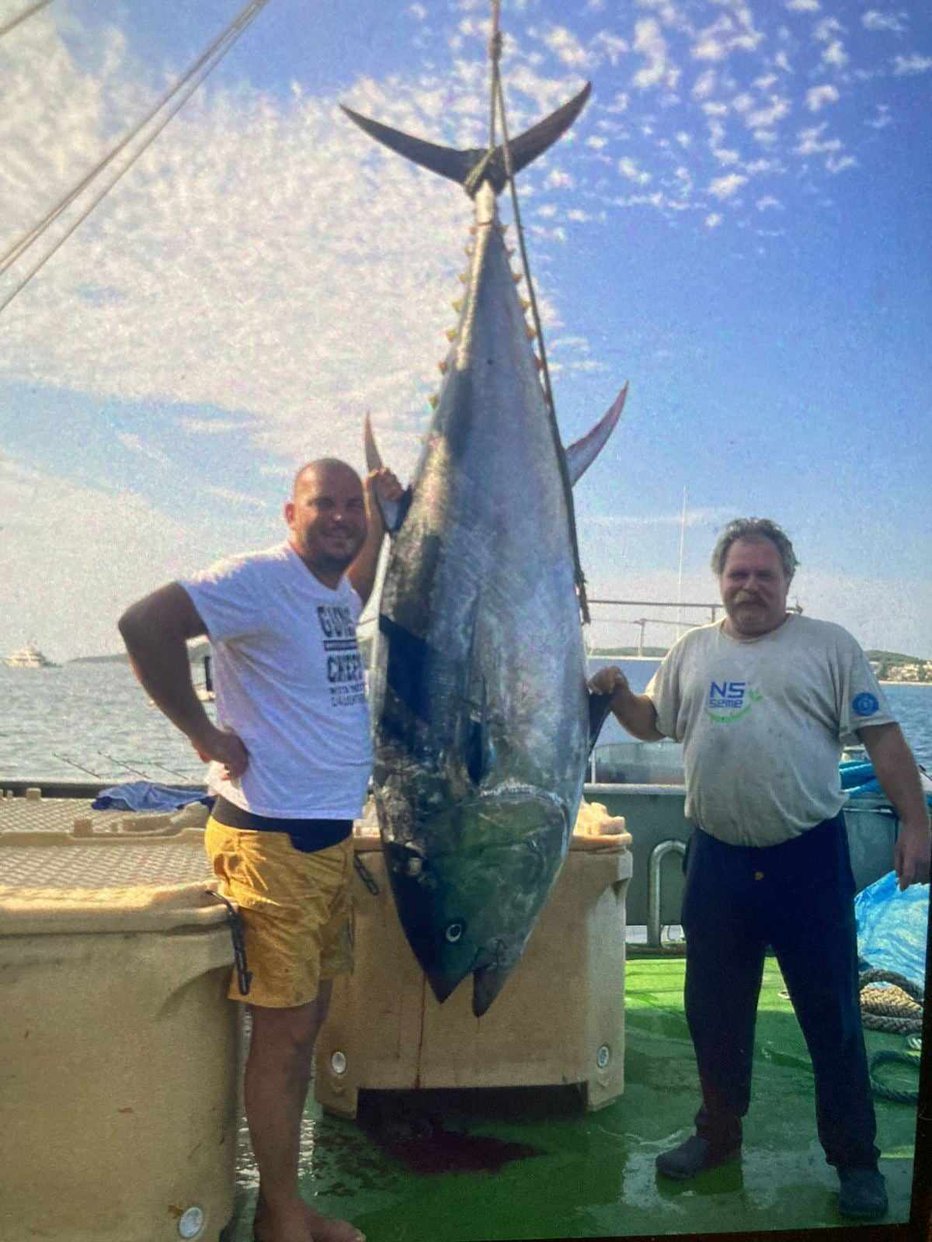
(484, 1166)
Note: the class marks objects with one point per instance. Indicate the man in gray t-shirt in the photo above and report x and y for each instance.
(762, 703)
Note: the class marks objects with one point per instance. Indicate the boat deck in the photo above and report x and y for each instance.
(418, 1167)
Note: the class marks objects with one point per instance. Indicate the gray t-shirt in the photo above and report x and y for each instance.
(762, 723)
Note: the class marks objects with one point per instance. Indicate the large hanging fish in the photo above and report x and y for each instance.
(479, 685)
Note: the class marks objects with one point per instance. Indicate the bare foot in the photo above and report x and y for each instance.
(284, 1223)
(326, 1229)
(300, 1223)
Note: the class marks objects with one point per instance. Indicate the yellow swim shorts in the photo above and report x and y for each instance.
(295, 908)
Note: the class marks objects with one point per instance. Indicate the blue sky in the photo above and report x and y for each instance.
(738, 225)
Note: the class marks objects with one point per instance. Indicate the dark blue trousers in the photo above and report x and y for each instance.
(798, 898)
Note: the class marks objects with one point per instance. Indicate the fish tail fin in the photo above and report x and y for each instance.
(470, 168)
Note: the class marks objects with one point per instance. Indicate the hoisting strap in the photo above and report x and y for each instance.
(498, 108)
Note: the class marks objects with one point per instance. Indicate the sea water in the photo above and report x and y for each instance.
(85, 722)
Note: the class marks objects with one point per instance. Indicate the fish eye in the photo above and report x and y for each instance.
(454, 932)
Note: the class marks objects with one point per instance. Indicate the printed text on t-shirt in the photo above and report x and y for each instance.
(344, 666)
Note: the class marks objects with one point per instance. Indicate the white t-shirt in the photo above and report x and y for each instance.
(289, 681)
(762, 723)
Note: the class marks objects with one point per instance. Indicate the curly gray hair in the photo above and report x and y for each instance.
(754, 529)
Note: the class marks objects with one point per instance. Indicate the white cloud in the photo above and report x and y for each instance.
(768, 203)
(234, 497)
(835, 55)
(765, 117)
(628, 168)
(116, 548)
(907, 65)
(803, 6)
(705, 84)
(818, 96)
(567, 48)
(826, 30)
(837, 164)
(220, 291)
(610, 46)
(726, 156)
(875, 20)
(417, 11)
(812, 142)
(135, 444)
(730, 32)
(713, 220)
(558, 180)
(210, 426)
(650, 43)
(881, 118)
(726, 187)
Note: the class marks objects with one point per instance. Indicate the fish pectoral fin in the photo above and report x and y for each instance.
(599, 707)
(582, 453)
(479, 749)
(393, 511)
(407, 666)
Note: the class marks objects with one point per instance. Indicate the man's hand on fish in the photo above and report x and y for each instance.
(381, 485)
(609, 680)
(226, 748)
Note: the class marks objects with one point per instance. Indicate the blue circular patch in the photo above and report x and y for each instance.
(865, 704)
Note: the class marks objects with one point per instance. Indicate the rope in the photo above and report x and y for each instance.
(204, 65)
(896, 1008)
(498, 104)
(15, 21)
(888, 1057)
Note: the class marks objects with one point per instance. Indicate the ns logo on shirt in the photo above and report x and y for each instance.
(730, 700)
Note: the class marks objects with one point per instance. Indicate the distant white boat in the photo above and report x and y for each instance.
(28, 657)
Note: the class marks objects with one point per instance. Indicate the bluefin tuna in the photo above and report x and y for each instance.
(479, 681)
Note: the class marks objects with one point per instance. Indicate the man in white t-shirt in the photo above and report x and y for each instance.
(290, 761)
(762, 702)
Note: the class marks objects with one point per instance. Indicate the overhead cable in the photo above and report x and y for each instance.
(174, 99)
(15, 21)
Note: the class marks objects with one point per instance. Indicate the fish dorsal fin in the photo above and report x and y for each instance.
(393, 511)
(582, 453)
(472, 167)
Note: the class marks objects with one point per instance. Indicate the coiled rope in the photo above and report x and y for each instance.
(896, 1009)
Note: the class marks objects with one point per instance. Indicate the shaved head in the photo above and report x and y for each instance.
(317, 469)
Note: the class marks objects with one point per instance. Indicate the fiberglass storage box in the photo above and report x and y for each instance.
(559, 1018)
(119, 1052)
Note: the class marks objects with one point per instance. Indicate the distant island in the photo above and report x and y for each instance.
(888, 665)
(893, 666)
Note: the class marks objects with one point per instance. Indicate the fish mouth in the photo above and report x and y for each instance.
(470, 887)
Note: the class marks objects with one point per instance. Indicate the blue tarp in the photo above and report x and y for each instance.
(147, 796)
(892, 928)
